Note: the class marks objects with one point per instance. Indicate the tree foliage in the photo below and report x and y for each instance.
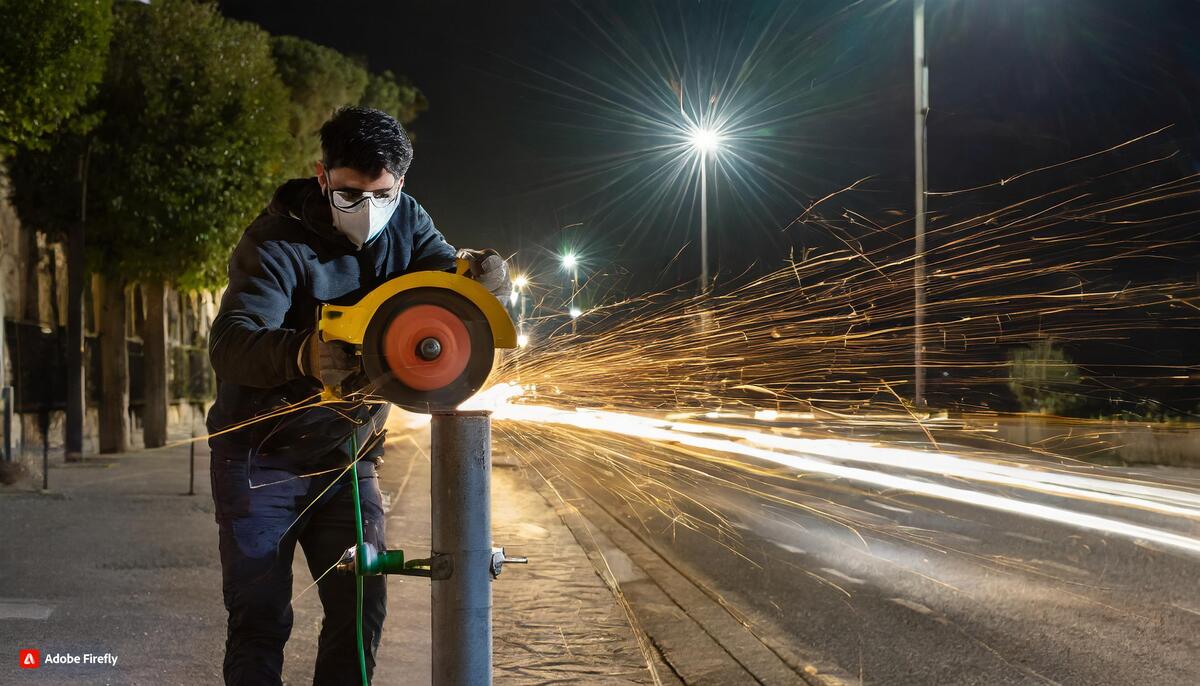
(395, 95)
(195, 121)
(320, 80)
(1044, 379)
(52, 59)
(190, 143)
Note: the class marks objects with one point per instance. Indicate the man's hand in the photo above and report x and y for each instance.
(489, 269)
(330, 363)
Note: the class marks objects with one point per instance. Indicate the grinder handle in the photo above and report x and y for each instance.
(461, 265)
(327, 392)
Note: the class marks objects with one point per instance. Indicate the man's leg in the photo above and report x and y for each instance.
(257, 540)
(327, 535)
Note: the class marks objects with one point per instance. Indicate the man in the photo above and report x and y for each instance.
(282, 480)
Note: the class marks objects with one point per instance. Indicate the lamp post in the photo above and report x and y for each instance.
(519, 283)
(570, 262)
(921, 112)
(705, 142)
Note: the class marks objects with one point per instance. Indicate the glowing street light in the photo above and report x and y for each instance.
(570, 262)
(517, 298)
(705, 142)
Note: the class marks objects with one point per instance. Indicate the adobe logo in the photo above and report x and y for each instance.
(31, 659)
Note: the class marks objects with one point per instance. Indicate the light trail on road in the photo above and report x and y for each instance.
(805, 454)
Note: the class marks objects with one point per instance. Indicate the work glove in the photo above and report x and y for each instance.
(332, 363)
(489, 269)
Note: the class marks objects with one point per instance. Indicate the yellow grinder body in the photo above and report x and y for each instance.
(427, 339)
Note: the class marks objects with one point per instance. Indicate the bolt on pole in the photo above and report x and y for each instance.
(461, 583)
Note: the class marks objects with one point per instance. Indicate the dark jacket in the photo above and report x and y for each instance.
(288, 262)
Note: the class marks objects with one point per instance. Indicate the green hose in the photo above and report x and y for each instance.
(358, 549)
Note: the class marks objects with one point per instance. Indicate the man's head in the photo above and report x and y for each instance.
(365, 154)
(363, 149)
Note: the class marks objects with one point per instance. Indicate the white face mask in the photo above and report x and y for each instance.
(365, 221)
(361, 226)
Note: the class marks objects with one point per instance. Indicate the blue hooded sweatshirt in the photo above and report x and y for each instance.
(289, 261)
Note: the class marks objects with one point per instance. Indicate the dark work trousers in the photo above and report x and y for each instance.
(262, 513)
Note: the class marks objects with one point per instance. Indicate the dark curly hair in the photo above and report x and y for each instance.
(366, 140)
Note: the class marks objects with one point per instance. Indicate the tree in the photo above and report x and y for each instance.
(319, 81)
(396, 96)
(53, 57)
(1044, 379)
(191, 140)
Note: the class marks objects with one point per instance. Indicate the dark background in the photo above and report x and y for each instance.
(544, 116)
(530, 99)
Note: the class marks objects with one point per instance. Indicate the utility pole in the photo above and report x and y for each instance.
(703, 221)
(920, 115)
(574, 290)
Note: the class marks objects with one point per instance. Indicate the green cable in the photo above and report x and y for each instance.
(358, 548)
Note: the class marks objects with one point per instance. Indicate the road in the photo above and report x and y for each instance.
(899, 588)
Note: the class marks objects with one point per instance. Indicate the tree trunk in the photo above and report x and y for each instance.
(114, 368)
(154, 365)
(31, 310)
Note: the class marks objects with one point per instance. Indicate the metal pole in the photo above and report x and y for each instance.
(461, 589)
(921, 112)
(704, 221)
(76, 388)
(574, 288)
(6, 396)
(44, 420)
(192, 465)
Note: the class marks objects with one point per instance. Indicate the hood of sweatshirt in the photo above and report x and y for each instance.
(302, 200)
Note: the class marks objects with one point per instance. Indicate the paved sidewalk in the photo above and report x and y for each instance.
(116, 559)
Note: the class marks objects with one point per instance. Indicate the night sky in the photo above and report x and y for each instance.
(538, 109)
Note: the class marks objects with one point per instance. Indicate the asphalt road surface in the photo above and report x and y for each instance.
(897, 588)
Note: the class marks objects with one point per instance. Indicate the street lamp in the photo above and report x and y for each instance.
(706, 142)
(517, 297)
(570, 262)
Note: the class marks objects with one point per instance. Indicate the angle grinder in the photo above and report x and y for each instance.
(427, 340)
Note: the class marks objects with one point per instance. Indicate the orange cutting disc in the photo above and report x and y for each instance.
(404, 335)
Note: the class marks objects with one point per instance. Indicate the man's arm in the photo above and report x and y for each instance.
(430, 251)
(247, 345)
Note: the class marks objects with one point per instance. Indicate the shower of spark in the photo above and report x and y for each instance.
(659, 398)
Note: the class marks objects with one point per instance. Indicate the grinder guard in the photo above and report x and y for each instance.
(427, 339)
